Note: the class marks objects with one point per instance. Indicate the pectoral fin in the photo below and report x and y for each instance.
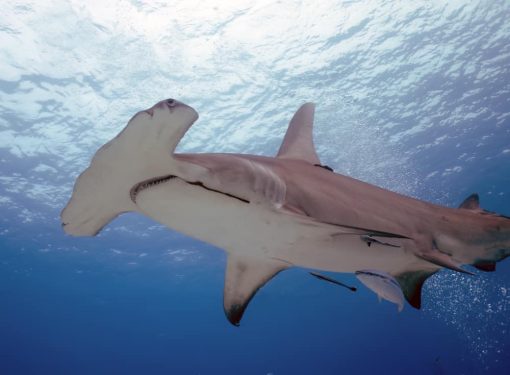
(244, 276)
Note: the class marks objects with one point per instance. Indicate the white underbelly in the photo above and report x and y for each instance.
(259, 230)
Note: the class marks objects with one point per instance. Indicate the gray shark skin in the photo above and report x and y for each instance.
(270, 214)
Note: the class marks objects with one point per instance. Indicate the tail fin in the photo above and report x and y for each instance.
(487, 263)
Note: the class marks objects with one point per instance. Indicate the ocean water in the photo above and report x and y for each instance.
(411, 96)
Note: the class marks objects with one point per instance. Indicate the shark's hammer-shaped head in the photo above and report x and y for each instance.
(142, 152)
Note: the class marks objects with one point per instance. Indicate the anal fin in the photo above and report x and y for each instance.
(412, 283)
(244, 276)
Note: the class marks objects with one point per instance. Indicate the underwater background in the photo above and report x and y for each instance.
(411, 96)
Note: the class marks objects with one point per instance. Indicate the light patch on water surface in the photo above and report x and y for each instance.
(43, 168)
(182, 255)
(455, 169)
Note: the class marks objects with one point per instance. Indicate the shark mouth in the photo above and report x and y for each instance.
(159, 180)
(147, 184)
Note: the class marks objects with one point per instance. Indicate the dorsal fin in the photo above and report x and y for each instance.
(244, 276)
(298, 141)
(411, 284)
(471, 203)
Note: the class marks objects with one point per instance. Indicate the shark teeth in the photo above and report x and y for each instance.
(147, 184)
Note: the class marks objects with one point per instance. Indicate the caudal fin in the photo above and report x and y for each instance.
(498, 235)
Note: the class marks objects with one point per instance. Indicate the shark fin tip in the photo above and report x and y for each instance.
(235, 313)
(244, 276)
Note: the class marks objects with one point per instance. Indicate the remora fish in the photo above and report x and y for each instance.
(270, 214)
(384, 285)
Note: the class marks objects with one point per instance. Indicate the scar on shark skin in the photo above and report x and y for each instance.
(273, 213)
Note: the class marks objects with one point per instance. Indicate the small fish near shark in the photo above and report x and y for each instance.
(384, 285)
(273, 213)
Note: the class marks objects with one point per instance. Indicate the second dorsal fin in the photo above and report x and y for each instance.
(298, 141)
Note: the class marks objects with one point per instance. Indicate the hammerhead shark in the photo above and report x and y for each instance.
(272, 213)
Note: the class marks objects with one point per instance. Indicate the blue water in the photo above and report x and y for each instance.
(411, 96)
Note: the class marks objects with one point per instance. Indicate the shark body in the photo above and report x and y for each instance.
(270, 214)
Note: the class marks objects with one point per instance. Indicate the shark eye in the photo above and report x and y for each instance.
(171, 102)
